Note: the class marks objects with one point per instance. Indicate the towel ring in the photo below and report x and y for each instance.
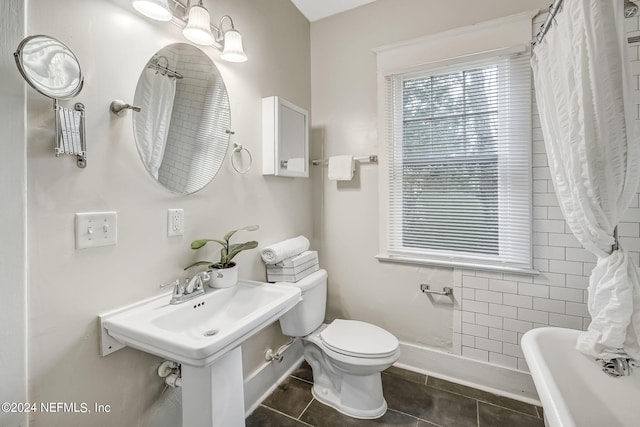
(239, 148)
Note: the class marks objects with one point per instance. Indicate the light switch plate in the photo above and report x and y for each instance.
(96, 229)
(175, 222)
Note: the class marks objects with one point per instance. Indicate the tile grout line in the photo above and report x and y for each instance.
(535, 408)
(478, 412)
(301, 379)
(509, 409)
(487, 402)
(305, 408)
(286, 415)
(418, 419)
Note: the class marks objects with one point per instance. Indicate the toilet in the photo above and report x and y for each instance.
(346, 356)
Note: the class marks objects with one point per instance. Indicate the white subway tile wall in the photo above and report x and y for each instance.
(187, 109)
(496, 309)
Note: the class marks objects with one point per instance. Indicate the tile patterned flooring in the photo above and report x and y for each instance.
(413, 399)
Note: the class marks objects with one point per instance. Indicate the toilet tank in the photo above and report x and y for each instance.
(308, 314)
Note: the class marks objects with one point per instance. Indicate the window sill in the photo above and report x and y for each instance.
(457, 264)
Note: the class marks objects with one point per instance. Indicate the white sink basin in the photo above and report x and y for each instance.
(199, 331)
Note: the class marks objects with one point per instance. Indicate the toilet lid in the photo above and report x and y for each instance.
(355, 338)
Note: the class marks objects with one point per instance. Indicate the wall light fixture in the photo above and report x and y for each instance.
(232, 42)
(197, 25)
(198, 29)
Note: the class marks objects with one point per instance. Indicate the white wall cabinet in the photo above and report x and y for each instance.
(285, 138)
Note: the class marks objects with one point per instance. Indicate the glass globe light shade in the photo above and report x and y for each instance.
(198, 29)
(154, 9)
(233, 51)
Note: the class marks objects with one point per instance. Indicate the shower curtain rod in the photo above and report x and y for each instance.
(164, 69)
(553, 9)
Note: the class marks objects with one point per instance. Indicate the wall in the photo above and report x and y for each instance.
(68, 288)
(13, 219)
(345, 112)
(492, 310)
(497, 309)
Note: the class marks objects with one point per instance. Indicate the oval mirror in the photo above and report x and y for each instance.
(182, 129)
(49, 66)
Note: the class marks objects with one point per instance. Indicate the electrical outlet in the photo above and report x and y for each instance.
(96, 229)
(175, 222)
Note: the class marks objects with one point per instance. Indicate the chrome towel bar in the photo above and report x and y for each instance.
(363, 159)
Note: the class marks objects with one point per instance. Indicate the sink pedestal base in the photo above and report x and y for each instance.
(213, 396)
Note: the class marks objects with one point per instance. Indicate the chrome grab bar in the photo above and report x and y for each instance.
(446, 291)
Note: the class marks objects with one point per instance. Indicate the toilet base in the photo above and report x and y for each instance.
(350, 412)
(359, 396)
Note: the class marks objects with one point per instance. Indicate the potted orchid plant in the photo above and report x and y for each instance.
(224, 273)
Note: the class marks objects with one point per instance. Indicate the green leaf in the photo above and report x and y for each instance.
(247, 228)
(198, 263)
(197, 244)
(228, 251)
(236, 248)
(224, 258)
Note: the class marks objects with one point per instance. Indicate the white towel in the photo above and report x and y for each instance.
(341, 168)
(286, 249)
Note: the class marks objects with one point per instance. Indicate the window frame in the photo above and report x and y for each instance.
(442, 257)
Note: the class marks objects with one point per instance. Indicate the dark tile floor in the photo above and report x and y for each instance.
(413, 399)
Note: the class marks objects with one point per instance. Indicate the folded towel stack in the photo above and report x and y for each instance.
(294, 268)
(289, 261)
(286, 249)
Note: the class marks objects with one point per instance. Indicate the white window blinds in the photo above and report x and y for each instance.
(459, 164)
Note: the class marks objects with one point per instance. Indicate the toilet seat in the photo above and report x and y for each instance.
(358, 339)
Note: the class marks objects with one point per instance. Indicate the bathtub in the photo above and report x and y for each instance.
(572, 387)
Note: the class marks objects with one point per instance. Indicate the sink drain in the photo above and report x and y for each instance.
(211, 333)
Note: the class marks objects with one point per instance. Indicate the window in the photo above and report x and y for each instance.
(459, 164)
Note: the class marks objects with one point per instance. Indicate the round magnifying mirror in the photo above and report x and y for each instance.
(182, 129)
(49, 66)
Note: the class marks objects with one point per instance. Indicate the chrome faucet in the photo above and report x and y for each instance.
(193, 287)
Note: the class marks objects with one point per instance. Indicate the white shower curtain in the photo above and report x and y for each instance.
(152, 122)
(592, 140)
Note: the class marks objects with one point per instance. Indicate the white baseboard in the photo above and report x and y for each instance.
(481, 375)
(264, 380)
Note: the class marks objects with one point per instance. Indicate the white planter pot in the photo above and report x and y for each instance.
(224, 277)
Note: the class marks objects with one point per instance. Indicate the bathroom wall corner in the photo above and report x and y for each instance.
(13, 286)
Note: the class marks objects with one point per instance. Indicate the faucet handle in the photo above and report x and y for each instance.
(199, 285)
(177, 287)
(193, 284)
(174, 283)
(178, 290)
(204, 277)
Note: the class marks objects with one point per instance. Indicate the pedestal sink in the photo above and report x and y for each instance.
(204, 335)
